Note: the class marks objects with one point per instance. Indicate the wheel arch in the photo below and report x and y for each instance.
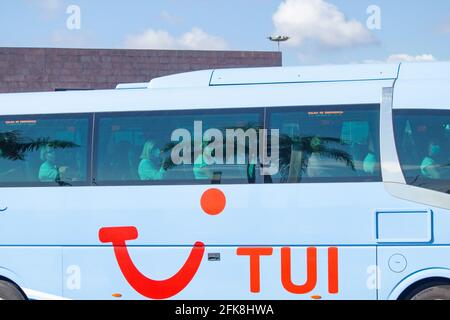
(417, 279)
(14, 279)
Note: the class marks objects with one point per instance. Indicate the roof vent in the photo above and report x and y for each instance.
(183, 80)
(122, 86)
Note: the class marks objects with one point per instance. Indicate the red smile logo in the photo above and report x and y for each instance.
(149, 288)
(213, 203)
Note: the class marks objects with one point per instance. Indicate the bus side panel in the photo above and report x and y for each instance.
(226, 273)
(38, 267)
(279, 214)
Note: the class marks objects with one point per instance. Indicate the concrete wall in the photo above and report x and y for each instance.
(47, 69)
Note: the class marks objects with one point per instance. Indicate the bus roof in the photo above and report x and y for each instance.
(278, 75)
(253, 87)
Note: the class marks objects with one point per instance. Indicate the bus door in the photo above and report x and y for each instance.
(412, 233)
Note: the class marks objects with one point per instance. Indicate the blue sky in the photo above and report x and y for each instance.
(321, 31)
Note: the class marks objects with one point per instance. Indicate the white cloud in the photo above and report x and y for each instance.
(196, 39)
(47, 5)
(403, 57)
(321, 22)
(50, 4)
(199, 39)
(151, 39)
(47, 9)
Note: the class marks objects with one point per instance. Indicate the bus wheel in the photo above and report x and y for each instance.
(431, 292)
(9, 291)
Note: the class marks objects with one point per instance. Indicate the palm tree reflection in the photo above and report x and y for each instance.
(15, 151)
(14, 147)
(324, 147)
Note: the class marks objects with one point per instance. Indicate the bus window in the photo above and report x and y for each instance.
(327, 144)
(41, 150)
(139, 148)
(423, 144)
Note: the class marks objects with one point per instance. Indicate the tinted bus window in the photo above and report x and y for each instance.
(327, 144)
(39, 150)
(180, 147)
(423, 144)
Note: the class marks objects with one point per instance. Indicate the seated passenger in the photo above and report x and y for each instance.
(370, 163)
(428, 166)
(150, 167)
(49, 172)
(317, 163)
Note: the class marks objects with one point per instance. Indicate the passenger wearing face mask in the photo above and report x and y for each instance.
(429, 166)
(49, 172)
(150, 167)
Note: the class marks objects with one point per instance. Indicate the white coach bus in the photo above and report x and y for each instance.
(328, 182)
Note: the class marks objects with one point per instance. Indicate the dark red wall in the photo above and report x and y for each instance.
(46, 69)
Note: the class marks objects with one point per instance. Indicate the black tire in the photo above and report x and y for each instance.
(430, 291)
(9, 291)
